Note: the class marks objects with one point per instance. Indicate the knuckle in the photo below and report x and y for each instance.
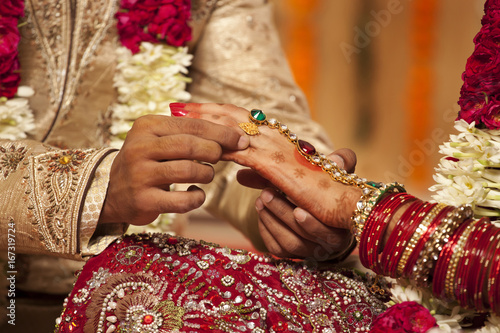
(214, 152)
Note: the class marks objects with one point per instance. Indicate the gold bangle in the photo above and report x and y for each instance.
(455, 257)
(422, 228)
(427, 259)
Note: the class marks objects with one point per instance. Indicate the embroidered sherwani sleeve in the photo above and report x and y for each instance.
(239, 60)
(43, 194)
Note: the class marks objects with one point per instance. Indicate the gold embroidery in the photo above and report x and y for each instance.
(68, 34)
(201, 9)
(10, 158)
(136, 305)
(58, 183)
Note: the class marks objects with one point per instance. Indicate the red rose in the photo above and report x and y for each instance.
(10, 81)
(491, 115)
(485, 59)
(128, 4)
(472, 108)
(152, 21)
(404, 317)
(9, 40)
(170, 25)
(131, 32)
(158, 3)
(178, 33)
(14, 8)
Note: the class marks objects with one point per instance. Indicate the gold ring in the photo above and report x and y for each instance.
(249, 128)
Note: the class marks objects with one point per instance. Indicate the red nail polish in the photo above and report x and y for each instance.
(177, 105)
(178, 112)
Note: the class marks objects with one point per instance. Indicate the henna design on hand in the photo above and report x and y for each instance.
(324, 184)
(299, 173)
(278, 157)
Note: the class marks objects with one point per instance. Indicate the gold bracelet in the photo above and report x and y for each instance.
(421, 229)
(372, 191)
(429, 255)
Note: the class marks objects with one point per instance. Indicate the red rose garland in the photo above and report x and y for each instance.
(10, 12)
(153, 21)
(479, 96)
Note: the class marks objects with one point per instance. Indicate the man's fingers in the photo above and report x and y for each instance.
(181, 171)
(159, 126)
(159, 201)
(286, 243)
(176, 147)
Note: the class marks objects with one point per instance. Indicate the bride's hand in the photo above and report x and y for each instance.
(277, 160)
(291, 232)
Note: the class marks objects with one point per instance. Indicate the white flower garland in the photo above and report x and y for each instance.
(16, 117)
(469, 173)
(147, 82)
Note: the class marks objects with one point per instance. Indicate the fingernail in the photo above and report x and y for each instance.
(300, 215)
(243, 142)
(177, 109)
(259, 205)
(267, 196)
(178, 112)
(177, 105)
(193, 188)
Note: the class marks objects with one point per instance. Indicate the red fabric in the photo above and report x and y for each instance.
(158, 283)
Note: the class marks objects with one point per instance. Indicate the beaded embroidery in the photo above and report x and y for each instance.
(10, 157)
(56, 180)
(160, 283)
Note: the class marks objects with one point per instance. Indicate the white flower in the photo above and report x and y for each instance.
(16, 119)
(467, 174)
(408, 293)
(471, 187)
(147, 82)
(450, 322)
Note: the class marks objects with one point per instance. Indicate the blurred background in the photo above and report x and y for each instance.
(382, 76)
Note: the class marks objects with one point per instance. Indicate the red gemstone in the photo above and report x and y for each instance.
(306, 147)
(148, 319)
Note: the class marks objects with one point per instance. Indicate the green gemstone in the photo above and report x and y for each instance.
(373, 184)
(258, 115)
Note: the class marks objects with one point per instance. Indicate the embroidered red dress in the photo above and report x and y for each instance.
(160, 283)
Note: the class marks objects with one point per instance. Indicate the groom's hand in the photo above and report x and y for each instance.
(158, 152)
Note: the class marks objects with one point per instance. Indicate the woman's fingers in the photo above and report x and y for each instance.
(336, 239)
(302, 223)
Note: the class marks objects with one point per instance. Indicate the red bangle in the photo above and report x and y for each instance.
(493, 278)
(408, 270)
(375, 227)
(399, 237)
(377, 223)
(486, 244)
(463, 272)
(444, 260)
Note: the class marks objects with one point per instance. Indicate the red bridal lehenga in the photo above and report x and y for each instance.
(160, 283)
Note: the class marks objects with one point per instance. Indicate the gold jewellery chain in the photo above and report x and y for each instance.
(372, 191)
